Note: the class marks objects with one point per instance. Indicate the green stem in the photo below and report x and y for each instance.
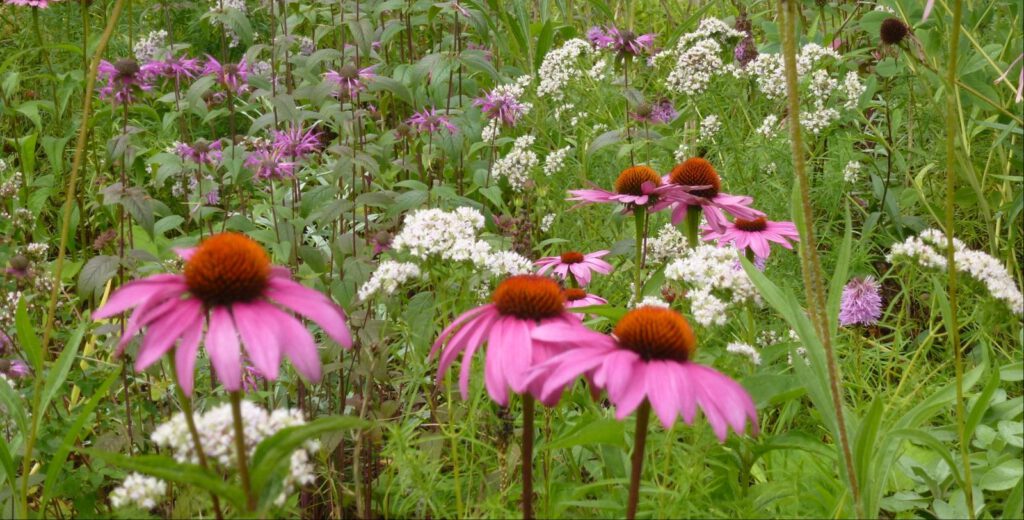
(186, 408)
(46, 58)
(810, 263)
(643, 416)
(527, 455)
(692, 226)
(639, 213)
(953, 327)
(243, 461)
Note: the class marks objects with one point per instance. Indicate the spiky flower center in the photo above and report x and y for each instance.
(656, 333)
(126, 69)
(201, 147)
(227, 268)
(893, 30)
(758, 224)
(529, 297)
(574, 294)
(349, 72)
(696, 171)
(571, 257)
(632, 179)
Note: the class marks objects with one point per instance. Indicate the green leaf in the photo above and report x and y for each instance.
(14, 406)
(1003, 476)
(611, 312)
(54, 469)
(96, 272)
(419, 315)
(27, 337)
(59, 371)
(547, 34)
(586, 432)
(10, 474)
(867, 438)
(839, 276)
(981, 404)
(604, 140)
(166, 468)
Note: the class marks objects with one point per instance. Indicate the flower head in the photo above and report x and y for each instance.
(269, 163)
(635, 186)
(754, 234)
(296, 142)
(703, 189)
(39, 4)
(649, 357)
(578, 265)
(502, 105)
(518, 305)
(125, 79)
(580, 298)
(201, 151)
(229, 286)
(622, 41)
(231, 76)
(177, 68)
(860, 304)
(350, 79)
(893, 31)
(429, 121)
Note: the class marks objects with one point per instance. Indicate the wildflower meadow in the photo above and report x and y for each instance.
(511, 259)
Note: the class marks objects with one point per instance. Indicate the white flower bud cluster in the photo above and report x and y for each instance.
(388, 276)
(653, 301)
(504, 263)
(746, 350)
(709, 126)
(555, 160)
(216, 434)
(547, 222)
(147, 48)
(517, 164)
(714, 282)
(928, 250)
(851, 171)
(769, 126)
(491, 130)
(695, 67)
(560, 67)
(669, 244)
(711, 28)
(139, 491)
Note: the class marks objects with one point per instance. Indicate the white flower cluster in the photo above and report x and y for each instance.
(216, 433)
(682, 152)
(560, 66)
(853, 89)
(851, 171)
(744, 349)
(714, 281)
(221, 7)
(668, 245)
(818, 120)
(388, 276)
(769, 70)
(491, 130)
(555, 160)
(929, 250)
(599, 70)
(698, 57)
(503, 263)
(547, 222)
(711, 28)
(709, 126)
(769, 126)
(139, 491)
(653, 301)
(147, 48)
(768, 338)
(516, 165)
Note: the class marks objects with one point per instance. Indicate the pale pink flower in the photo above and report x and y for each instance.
(702, 189)
(579, 265)
(756, 235)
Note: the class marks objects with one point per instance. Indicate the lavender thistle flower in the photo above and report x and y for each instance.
(296, 142)
(429, 121)
(350, 79)
(269, 164)
(502, 105)
(861, 304)
(660, 112)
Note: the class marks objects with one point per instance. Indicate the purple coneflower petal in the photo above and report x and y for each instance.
(185, 355)
(312, 305)
(165, 331)
(259, 336)
(223, 348)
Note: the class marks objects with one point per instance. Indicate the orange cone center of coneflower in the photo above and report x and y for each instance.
(696, 171)
(632, 179)
(758, 224)
(573, 294)
(571, 257)
(529, 297)
(227, 268)
(656, 333)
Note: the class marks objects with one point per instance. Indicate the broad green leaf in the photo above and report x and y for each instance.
(59, 371)
(587, 432)
(27, 338)
(96, 272)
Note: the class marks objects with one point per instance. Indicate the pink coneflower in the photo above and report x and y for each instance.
(502, 105)
(125, 80)
(705, 194)
(860, 304)
(579, 298)
(269, 164)
(40, 4)
(518, 305)
(429, 121)
(755, 235)
(201, 151)
(175, 67)
(578, 265)
(635, 186)
(231, 76)
(648, 357)
(624, 42)
(350, 79)
(296, 142)
(230, 286)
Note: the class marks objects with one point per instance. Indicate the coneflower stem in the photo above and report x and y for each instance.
(186, 409)
(643, 417)
(810, 263)
(527, 455)
(692, 224)
(639, 213)
(243, 461)
(952, 94)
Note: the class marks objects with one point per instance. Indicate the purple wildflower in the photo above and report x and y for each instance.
(296, 142)
(745, 51)
(213, 196)
(232, 76)
(501, 104)
(269, 164)
(16, 369)
(350, 79)
(201, 151)
(125, 80)
(429, 121)
(861, 304)
(175, 67)
(40, 4)
(661, 112)
(622, 41)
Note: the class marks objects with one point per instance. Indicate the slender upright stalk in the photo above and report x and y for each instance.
(243, 459)
(643, 417)
(639, 213)
(65, 228)
(811, 265)
(692, 223)
(49, 65)
(954, 328)
(186, 409)
(527, 454)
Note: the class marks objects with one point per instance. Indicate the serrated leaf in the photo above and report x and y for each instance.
(96, 272)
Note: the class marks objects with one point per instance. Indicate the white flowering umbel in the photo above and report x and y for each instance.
(139, 491)
(219, 7)
(745, 350)
(147, 48)
(560, 67)
(653, 301)
(709, 126)
(518, 163)
(388, 276)
(668, 245)
(698, 56)
(714, 282)
(851, 171)
(547, 222)
(555, 160)
(216, 434)
(929, 250)
(770, 126)
(505, 263)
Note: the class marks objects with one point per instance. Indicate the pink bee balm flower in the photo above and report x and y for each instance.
(580, 298)
(705, 193)
(269, 164)
(429, 121)
(350, 79)
(125, 79)
(754, 235)
(519, 305)
(232, 76)
(201, 151)
(296, 142)
(648, 358)
(578, 265)
(230, 287)
(176, 67)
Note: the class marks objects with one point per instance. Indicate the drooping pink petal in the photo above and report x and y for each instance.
(223, 348)
(471, 333)
(296, 343)
(186, 353)
(494, 373)
(517, 351)
(662, 391)
(163, 333)
(134, 293)
(259, 336)
(312, 305)
(451, 328)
